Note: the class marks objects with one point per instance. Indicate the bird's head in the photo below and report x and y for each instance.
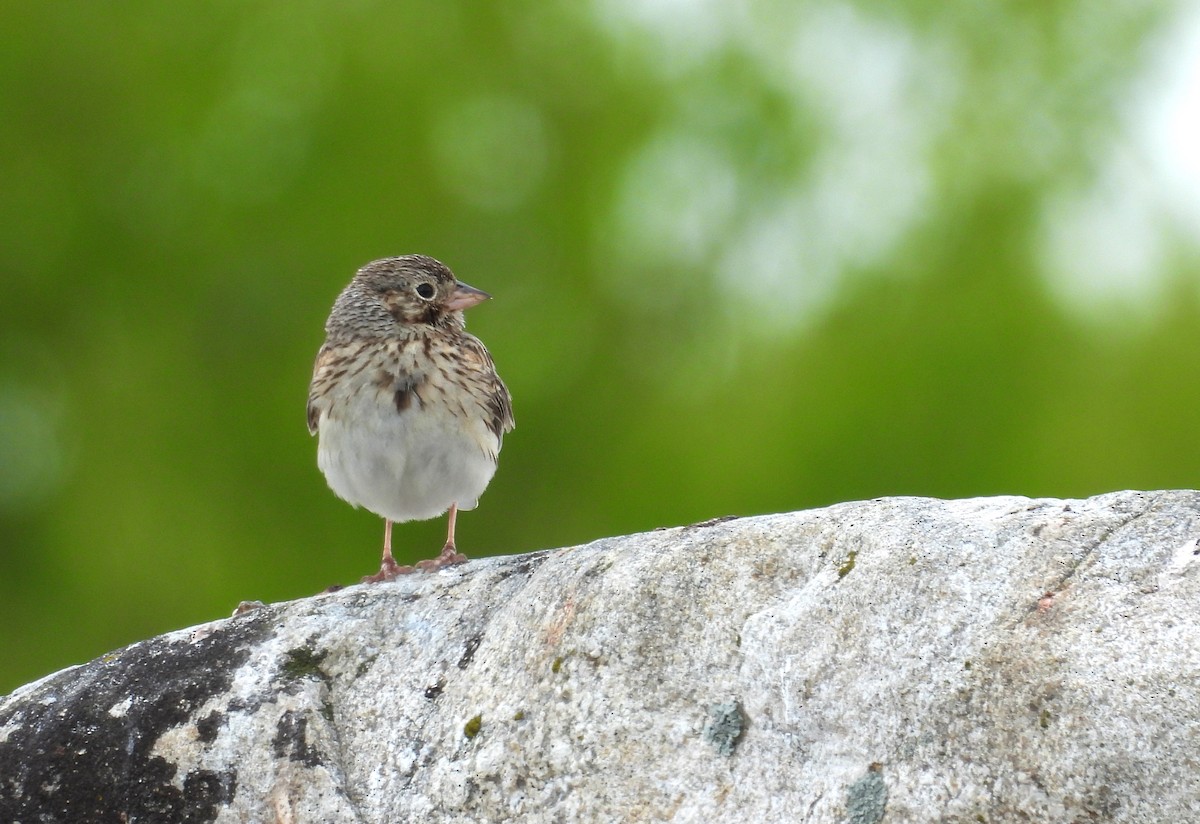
(405, 291)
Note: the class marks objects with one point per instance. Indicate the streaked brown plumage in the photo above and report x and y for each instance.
(407, 405)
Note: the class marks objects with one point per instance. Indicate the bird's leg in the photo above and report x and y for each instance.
(388, 568)
(449, 554)
(450, 529)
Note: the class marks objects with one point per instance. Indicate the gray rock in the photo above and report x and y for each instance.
(898, 660)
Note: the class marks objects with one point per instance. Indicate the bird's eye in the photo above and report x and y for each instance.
(425, 290)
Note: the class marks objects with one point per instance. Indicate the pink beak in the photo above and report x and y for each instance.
(464, 297)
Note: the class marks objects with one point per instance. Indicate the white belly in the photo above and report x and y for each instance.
(404, 466)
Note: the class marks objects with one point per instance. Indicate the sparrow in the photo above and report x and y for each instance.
(407, 407)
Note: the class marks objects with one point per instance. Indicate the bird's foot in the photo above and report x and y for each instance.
(448, 557)
(388, 570)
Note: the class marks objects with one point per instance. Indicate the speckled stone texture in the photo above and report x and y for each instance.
(898, 660)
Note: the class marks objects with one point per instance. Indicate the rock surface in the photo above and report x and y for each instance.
(897, 660)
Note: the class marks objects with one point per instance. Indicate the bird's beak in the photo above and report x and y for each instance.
(464, 297)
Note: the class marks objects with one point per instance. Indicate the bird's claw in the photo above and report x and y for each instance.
(449, 556)
(388, 570)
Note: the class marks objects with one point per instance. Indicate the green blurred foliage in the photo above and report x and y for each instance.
(746, 259)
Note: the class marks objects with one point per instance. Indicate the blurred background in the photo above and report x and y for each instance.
(747, 257)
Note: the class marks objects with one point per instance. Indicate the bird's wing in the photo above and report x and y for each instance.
(322, 375)
(495, 398)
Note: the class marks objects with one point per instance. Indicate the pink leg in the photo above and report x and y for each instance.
(388, 568)
(450, 528)
(450, 554)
